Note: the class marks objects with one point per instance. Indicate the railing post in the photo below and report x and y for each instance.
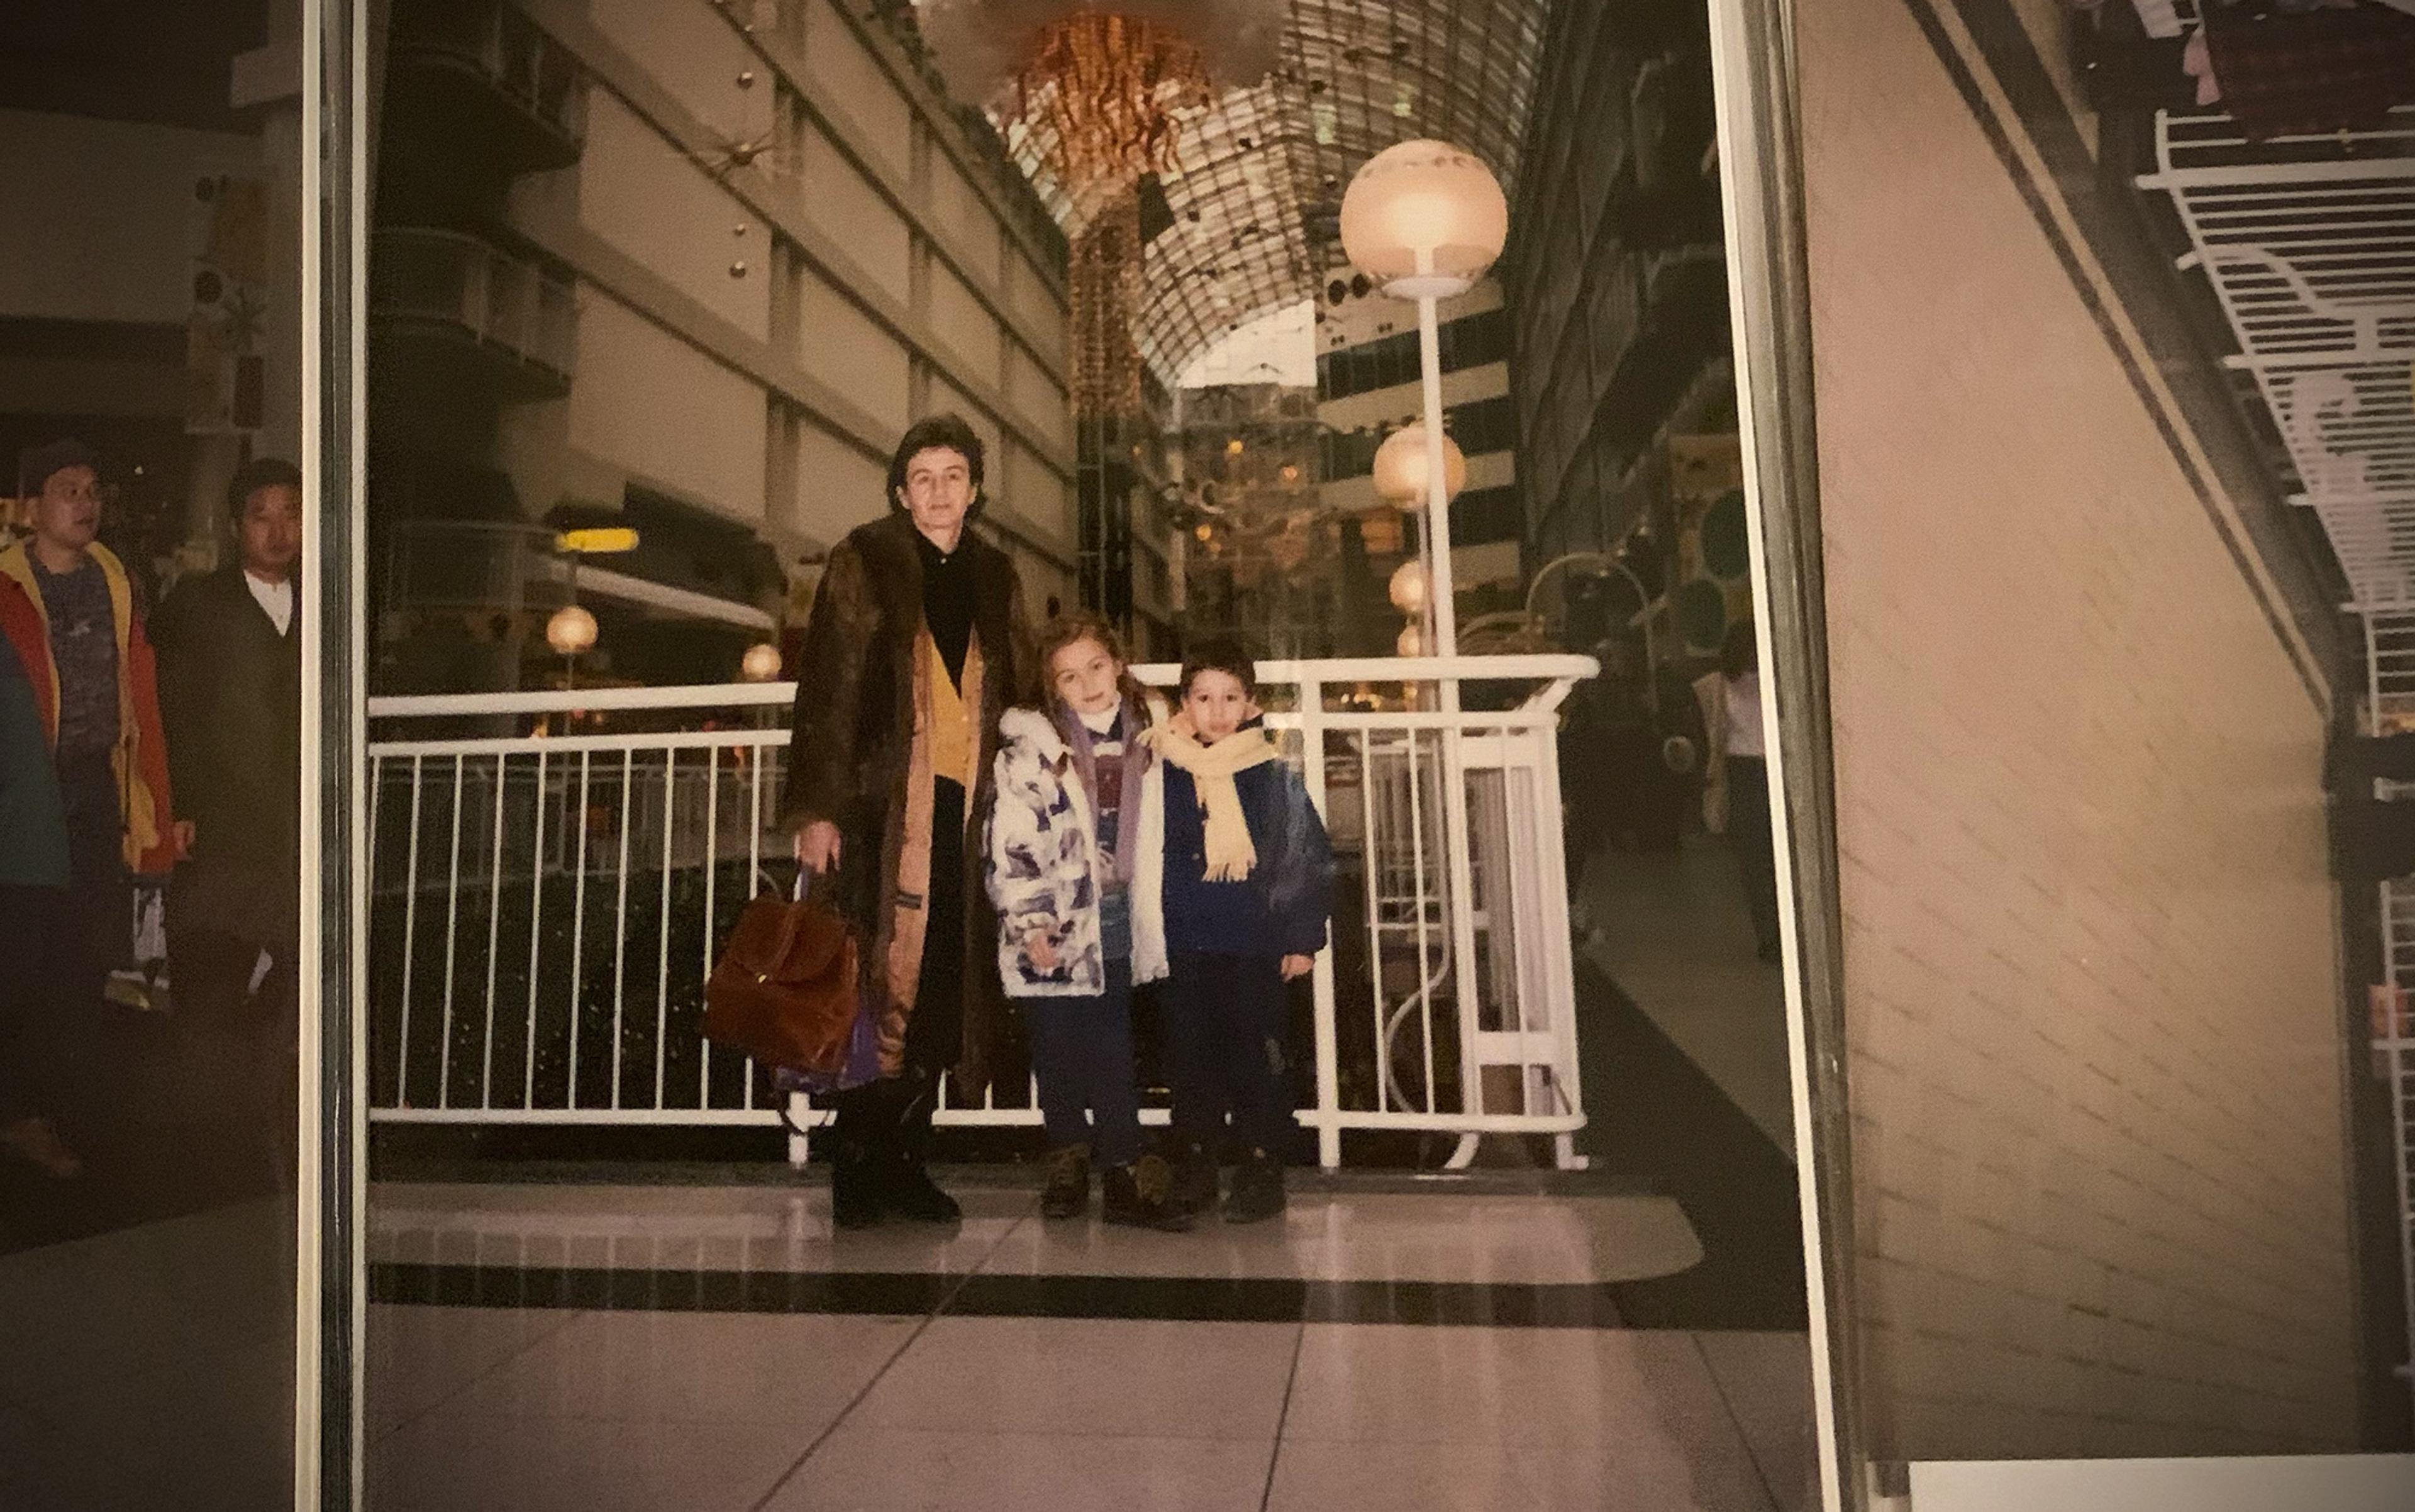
(1329, 1071)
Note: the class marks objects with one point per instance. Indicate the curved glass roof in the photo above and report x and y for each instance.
(1255, 199)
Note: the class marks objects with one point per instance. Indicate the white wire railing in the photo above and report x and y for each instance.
(2308, 244)
(551, 875)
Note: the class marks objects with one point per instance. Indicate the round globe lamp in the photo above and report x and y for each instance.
(1409, 588)
(761, 663)
(571, 632)
(1400, 467)
(1424, 218)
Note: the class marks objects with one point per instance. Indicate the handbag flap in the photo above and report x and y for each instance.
(777, 940)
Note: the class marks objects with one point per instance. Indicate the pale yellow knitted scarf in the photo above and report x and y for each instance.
(1230, 855)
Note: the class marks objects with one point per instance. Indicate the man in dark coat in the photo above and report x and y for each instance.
(916, 643)
(231, 694)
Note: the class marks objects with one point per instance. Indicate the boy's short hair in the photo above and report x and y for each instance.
(1220, 653)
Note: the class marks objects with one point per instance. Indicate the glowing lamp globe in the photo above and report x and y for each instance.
(1409, 588)
(571, 630)
(1400, 467)
(1412, 641)
(761, 663)
(1424, 219)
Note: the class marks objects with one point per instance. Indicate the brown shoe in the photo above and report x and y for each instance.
(34, 1142)
(1138, 1195)
(1067, 1192)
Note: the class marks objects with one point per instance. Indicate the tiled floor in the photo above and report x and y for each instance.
(1013, 1388)
(151, 1367)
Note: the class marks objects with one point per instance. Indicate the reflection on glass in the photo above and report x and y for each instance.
(150, 781)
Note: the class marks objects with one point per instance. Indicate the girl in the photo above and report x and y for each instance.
(1076, 848)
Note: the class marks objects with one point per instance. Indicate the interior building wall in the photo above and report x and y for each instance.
(2095, 1051)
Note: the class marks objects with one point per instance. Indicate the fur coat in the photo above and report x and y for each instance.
(1046, 869)
(859, 757)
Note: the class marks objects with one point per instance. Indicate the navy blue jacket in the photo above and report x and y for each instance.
(1281, 908)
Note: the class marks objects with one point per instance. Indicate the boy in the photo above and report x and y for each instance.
(1248, 886)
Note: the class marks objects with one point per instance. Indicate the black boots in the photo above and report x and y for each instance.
(1140, 1196)
(1258, 1189)
(882, 1138)
(1194, 1178)
(910, 1192)
(1067, 1192)
(855, 1180)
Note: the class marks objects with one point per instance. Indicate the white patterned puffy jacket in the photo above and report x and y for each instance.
(1045, 867)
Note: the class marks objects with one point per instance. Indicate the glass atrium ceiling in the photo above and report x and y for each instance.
(1255, 202)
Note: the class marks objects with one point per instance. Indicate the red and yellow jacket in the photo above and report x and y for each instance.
(139, 760)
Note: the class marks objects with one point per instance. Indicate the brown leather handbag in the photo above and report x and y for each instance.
(784, 991)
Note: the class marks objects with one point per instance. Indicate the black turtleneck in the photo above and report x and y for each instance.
(948, 600)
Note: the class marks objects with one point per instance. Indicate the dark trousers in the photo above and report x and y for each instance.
(1227, 1027)
(100, 895)
(35, 1028)
(893, 1114)
(253, 1037)
(1082, 1052)
(1749, 832)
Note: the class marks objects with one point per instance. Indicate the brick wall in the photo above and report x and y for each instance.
(2094, 1047)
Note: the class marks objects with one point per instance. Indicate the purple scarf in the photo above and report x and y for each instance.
(1137, 755)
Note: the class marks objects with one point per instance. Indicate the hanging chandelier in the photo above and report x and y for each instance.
(1098, 90)
(1100, 85)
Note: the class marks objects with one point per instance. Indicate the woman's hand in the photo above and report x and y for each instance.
(818, 845)
(1038, 951)
(1296, 966)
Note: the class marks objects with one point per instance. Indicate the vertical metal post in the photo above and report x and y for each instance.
(1328, 1081)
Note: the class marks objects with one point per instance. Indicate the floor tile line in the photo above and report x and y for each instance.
(938, 1307)
(465, 1387)
(1736, 1420)
(1274, 1451)
(797, 1464)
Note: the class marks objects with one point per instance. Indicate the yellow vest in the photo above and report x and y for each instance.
(953, 750)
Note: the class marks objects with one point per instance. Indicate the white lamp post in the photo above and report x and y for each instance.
(1425, 220)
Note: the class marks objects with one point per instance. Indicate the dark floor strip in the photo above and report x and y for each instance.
(1200, 1299)
(1657, 1114)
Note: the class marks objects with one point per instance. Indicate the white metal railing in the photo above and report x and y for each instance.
(551, 875)
(504, 302)
(2308, 244)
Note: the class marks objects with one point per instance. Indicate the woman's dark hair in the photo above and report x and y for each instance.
(1071, 628)
(948, 430)
(1739, 654)
(1221, 653)
(258, 473)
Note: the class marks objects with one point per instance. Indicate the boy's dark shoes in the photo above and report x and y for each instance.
(1067, 1192)
(1257, 1189)
(1139, 1195)
(1194, 1180)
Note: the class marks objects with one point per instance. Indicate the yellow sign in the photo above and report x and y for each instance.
(601, 539)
